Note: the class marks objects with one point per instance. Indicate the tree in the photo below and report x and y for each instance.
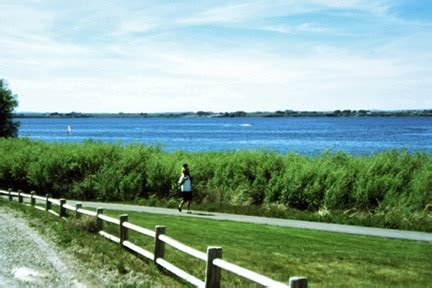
(8, 102)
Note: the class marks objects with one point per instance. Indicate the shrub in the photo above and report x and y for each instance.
(388, 181)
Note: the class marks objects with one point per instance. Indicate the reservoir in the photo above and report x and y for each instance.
(304, 135)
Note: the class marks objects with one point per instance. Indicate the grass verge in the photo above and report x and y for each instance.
(327, 259)
(392, 219)
(104, 263)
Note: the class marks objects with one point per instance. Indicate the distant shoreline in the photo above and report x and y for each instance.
(205, 114)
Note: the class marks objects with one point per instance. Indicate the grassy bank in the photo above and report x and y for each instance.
(327, 259)
(101, 262)
(389, 189)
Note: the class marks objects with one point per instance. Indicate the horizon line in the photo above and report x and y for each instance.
(221, 112)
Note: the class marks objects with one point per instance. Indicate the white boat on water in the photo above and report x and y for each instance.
(69, 130)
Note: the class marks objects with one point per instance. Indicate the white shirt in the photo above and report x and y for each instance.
(186, 185)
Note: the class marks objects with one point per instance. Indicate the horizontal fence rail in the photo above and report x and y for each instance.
(69, 207)
(213, 257)
(248, 274)
(110, 236)
(109, 219)
(183, 248)
(86, 212)
(138, 250)
(180, 273)
(139, 229)
(39, 197)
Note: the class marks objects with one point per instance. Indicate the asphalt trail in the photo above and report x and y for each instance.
(337, 228)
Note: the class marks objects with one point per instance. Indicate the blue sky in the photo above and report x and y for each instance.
(166, 56)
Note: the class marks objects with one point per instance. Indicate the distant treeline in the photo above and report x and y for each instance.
(98, 171)
(279, 113)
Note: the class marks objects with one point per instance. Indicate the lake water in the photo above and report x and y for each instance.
(308, 136)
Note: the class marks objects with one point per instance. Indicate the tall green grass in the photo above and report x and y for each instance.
(393, 182)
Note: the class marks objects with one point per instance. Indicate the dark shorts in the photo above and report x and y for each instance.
(187, 196)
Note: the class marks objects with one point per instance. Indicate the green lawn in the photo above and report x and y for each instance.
(327, 259)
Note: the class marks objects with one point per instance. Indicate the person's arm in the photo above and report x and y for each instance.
(181, 180)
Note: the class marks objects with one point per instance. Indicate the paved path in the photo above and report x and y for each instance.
(349, 229)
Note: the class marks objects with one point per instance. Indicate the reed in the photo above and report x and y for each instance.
(395, 185)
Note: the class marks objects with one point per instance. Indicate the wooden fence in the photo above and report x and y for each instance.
(213, 258)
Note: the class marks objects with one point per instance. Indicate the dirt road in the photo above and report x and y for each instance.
(28, 260)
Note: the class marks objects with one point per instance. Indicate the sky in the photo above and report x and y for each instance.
(176, 56)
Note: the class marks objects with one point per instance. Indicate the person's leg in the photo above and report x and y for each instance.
(180, 206)
(189, 202)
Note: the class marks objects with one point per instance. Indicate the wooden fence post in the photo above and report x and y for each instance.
(48, 203)
(99, 222)
(124, 235)
(33, 200)
(159, 249)
(20, 197)
(298, 282)
(62, 212)
(10, 194)
(78, 206)
(213, 273)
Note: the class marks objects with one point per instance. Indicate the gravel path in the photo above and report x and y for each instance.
(28, 260)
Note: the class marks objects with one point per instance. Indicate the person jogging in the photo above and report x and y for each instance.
(186, 188)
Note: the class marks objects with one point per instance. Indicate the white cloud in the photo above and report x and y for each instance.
(294, 29)
(375, 7)
(137, 26)
(224, 15)
(151, 78)
(121, 71)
